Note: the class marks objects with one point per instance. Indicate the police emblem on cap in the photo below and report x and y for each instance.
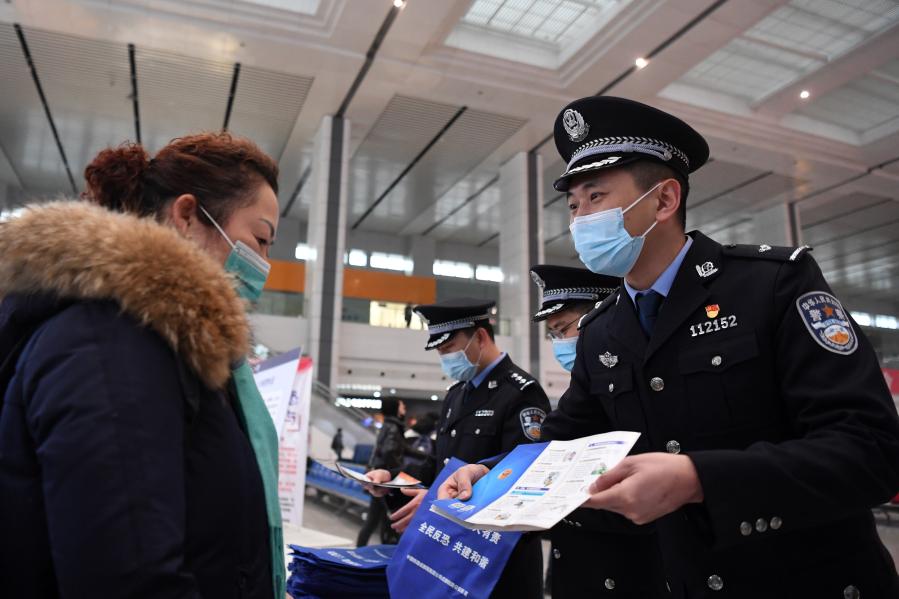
(538, 280)
(827, 322)
(532, 422)
(574, 125)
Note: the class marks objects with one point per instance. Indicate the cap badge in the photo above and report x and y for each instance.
(538, 280)
(764, 248)
(706, 270)
(608, 360)
(574, 125)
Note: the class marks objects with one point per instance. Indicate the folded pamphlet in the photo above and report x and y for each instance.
(536, 485)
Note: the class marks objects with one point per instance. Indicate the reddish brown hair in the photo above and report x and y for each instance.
(221, 170)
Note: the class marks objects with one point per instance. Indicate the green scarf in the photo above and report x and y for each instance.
(264, 439)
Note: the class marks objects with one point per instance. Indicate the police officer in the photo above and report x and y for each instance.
(493, 407)
(594, 553)
(767, 430)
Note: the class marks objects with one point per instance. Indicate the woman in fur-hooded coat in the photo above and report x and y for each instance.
(124, 468)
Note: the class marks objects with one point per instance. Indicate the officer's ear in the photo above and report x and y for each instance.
(669, 194)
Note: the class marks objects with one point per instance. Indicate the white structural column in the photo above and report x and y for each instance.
(520, 247)
(777, 225)
(423, 251)
(326, 236)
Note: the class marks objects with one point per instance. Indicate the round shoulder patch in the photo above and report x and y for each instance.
(827, 322)
(532, 422)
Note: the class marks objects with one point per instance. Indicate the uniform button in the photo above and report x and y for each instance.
(656, 384)
(851, 592)
(557, 554)
(577, 524)
(672, 446)
(745, 529)
(609, 583)
(776, 523)
(716, 361)
(445, 461)
(715, 582)
(611, 387)
(453, 433)
(477, 431)
(761, 525)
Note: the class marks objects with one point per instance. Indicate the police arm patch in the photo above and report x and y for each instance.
(827, 322)
(532, 422)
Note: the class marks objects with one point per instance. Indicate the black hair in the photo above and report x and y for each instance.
(647, 173)
(481, 325)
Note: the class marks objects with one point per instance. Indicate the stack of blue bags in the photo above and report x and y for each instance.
(344, 573)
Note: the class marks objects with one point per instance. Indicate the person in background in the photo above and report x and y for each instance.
(421, 438)
(407, 314)
(594, 554)
(337, 444)
(136, 456)
(390, 449)
(493, 407)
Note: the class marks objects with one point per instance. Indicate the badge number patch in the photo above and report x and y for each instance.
(532, 422)
(713, 326)
(827, 322)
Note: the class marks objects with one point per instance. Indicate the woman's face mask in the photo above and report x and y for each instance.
(249, 268)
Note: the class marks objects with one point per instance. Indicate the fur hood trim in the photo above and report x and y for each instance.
(76, 250)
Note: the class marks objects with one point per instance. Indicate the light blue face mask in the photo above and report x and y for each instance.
(249, 268)
(565, 351)
(604, 245)
(456, 365)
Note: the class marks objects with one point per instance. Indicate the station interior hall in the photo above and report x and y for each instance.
(415, 146)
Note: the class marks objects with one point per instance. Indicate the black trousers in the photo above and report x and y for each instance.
(523, 576)
(377, 513)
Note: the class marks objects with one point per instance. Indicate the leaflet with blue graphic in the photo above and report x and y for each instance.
(537, 485)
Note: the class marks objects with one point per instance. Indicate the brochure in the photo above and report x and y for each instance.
(401, 481)
(537, 485)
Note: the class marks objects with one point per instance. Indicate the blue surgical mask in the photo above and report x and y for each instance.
(456, 365)
(249, 268)
(565, 351)
(604, 245)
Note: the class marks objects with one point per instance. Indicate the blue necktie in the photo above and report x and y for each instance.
(648, 304)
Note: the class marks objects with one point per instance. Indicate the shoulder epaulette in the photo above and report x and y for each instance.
(598, 309)
(766, 252)
(521, 379)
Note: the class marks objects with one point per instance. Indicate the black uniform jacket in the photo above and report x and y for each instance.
(757, 373)
(596, 553)
(505, 410)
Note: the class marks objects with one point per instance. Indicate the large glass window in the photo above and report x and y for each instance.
(448, 268)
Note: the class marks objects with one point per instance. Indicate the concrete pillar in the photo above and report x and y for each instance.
(520, 247)
(326, 236)
(289, 235)
(777, 225)
(423, 251)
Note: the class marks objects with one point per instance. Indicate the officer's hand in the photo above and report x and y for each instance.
(377, 476)
(645, 487)
(403, 516)
(458, 485)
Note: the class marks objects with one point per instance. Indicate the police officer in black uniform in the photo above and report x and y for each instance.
(494, 406)
(594, 553)
(767, 429)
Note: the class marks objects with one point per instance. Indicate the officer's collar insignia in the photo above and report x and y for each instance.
(827, 322)
(492, 385)
(574, 125)
(707, 269)
(764, 248)
(712, 310)
(608, 360)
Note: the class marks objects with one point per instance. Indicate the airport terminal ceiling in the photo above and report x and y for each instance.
(798, 98)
